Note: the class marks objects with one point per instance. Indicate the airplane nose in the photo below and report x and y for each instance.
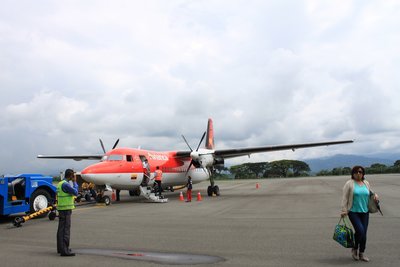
(84, 171)
(87, 170)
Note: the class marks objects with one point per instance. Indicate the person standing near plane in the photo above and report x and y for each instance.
(146, 172)
(158, 179)
(66, 190)
(355, 204)
(189, 186)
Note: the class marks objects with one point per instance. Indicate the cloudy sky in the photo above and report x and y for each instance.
(267, 72)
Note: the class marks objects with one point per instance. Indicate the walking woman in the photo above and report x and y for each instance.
(355, 204)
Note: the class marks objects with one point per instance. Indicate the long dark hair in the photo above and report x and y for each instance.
(355, 170)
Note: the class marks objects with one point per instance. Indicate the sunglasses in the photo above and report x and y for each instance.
(359, 172)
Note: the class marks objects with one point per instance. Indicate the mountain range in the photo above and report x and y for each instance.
(340, 160)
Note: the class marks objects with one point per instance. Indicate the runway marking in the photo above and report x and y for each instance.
(156, 257)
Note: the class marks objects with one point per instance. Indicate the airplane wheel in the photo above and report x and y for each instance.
(216, 190)
(106, 200)
(209, 190)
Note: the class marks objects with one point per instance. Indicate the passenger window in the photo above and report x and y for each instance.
(129, 158)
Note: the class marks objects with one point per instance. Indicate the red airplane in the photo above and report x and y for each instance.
(131, 169)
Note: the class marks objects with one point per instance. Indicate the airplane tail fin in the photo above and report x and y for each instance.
(210, 135)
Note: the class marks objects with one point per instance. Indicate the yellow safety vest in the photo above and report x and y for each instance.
(65, 200)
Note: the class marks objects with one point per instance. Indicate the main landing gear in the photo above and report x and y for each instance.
(212, 189)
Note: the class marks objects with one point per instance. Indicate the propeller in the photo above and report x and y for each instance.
(102, 145)
(116, 143)
(192, 162)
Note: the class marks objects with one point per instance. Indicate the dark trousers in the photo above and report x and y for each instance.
(360, 223)
(117, 193)
(159, 187)
(63, 232)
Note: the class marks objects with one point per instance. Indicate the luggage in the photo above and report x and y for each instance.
(343, 234)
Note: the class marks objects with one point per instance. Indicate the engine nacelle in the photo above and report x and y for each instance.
(219, 161)
(203, 158)
(206, 160)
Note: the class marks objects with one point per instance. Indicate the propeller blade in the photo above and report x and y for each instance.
(186, 142)
(116, 143)
(201, 140)
(190, 165)
(102, 146)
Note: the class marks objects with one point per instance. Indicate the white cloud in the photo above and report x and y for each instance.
(267, 72)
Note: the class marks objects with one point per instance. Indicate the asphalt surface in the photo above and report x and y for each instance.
(285, 222)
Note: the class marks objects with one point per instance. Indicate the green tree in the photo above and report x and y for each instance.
(249, 170)
(257, 169)
(277, 169)
(299, 167)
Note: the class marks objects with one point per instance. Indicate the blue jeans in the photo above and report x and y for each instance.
(360, 223)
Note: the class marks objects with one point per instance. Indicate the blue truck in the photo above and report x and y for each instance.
(26, 193)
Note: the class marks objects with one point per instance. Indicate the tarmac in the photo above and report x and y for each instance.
(285, 222)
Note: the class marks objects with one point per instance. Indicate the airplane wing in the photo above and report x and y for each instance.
(237, 152)
(74, 157)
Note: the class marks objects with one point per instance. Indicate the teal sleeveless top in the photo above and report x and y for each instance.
(360, 198)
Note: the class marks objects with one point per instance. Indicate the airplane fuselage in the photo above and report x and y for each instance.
(124, 168)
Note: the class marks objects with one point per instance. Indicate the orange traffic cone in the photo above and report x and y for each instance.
(181, 196)
(199, 196)
(257, 186)
(113, 196)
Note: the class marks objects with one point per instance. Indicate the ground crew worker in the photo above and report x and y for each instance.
(117, 193)
(158, 179)
(189, 186)
(66, 190)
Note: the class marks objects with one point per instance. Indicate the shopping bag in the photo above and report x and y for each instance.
(343, 235)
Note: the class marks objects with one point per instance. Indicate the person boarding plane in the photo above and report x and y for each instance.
(123, 168)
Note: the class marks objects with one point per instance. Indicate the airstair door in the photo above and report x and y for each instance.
(146, 170)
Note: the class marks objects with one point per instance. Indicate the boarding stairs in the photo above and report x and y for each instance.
(146, 192)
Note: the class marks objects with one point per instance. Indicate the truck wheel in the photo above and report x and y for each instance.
(87, 197)
(106, 200)
(40, 199)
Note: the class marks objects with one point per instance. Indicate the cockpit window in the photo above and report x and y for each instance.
(115, 158)
(129, 158)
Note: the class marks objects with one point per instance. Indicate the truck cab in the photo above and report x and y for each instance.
(26, 193)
